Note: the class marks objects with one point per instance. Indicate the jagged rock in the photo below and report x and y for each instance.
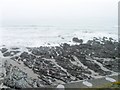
(15, 78)
(6, 54)
(57, 64)
(15, 48)
(77, 40)
(3, 50)
(24, 55)
(11, 53)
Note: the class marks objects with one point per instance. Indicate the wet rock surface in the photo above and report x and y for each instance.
(62, 64)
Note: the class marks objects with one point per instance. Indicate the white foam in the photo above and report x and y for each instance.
(110, 79)
(87, 83)
(60, 87)
(43, 36)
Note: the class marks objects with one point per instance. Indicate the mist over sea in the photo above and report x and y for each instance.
(51, 22)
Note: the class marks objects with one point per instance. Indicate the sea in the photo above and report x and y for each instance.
(34, 35)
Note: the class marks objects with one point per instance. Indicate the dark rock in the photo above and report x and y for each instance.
(15, 78)
(14, 52)
(11, 53)
(7, 54)
(3, 50)
(15, 58)
(62, 38)
(54, 63)
(15, 48)
(24, 55)
(77, 40)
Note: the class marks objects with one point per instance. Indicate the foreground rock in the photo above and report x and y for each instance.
(61, 64)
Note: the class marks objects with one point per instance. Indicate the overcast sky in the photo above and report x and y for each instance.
(38, 11)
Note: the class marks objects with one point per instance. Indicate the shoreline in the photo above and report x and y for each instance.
(47, 44)
(50, 37)
(63, 64)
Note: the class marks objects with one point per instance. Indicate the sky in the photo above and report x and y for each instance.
(57, 11)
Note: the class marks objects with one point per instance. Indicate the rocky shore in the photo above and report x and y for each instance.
(32, 67)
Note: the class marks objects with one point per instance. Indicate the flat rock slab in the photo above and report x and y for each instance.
(96, 83)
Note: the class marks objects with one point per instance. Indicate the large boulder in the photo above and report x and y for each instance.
(77, 40)
(15, 78)
(3, 50)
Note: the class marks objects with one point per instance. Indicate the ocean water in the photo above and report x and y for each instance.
(34, 35)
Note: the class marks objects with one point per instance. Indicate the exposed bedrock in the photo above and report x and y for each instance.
(61, 64)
